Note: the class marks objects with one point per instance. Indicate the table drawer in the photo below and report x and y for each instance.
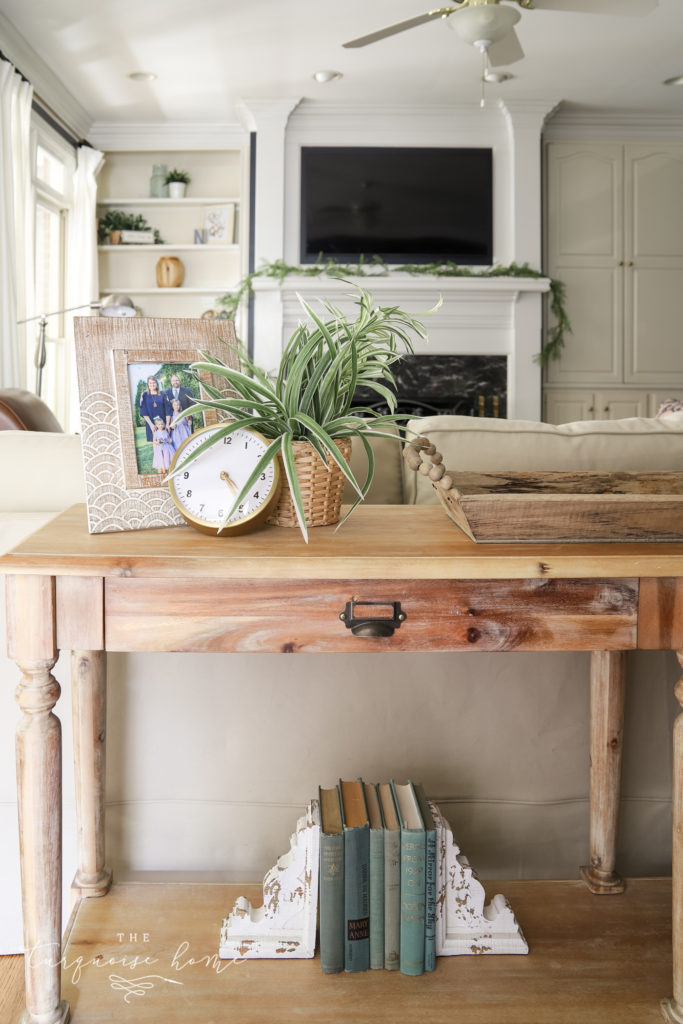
(292, 616)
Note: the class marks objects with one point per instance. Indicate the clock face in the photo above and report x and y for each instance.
(206, 489)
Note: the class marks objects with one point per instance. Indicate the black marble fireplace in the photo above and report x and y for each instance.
(429, 385)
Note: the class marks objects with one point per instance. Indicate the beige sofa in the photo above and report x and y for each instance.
(500, 740)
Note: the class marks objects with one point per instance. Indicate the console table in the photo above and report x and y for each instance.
(268, 591)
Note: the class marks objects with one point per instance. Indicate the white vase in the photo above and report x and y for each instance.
(176, 189)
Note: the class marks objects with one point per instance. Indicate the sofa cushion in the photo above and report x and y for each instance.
(496, 445)
(387, 485)
(45, 470)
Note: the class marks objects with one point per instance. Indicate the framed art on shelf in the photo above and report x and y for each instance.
(134, 376)
(219, 224)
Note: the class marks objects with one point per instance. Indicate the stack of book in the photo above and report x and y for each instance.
(377, 901)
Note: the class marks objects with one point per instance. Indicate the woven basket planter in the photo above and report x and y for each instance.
(321, 488)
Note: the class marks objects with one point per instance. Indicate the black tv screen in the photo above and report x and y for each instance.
(403, 204)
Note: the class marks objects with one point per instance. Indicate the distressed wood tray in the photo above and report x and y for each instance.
(492, 507)
(569, 506)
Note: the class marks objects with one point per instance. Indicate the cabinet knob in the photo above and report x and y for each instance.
(591, 408)
(629, 263)
(620, 263)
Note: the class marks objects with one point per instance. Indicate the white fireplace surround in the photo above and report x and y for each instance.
(479, 316)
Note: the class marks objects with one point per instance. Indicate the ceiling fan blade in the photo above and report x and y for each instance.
(401, 26)
(506, 51)
(629, 8)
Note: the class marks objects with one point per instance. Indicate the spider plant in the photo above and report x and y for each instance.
(311, 398)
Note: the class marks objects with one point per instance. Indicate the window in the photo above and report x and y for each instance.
(54, 164)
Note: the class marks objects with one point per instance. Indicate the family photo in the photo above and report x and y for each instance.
(159, 393)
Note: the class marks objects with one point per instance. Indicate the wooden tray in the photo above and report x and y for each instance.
(585, 506)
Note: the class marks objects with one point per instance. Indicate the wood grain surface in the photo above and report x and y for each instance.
(299, 616)
(377, 542)
(591, 960)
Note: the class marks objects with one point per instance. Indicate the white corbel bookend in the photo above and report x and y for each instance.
(284, 927)
(463, 924)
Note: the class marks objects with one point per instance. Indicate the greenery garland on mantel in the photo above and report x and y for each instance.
(376, 267)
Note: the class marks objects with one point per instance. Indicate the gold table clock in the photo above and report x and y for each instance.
(205, 490)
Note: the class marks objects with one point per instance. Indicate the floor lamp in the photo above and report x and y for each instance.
(41, 351)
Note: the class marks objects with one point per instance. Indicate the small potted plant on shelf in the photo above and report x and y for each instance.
(177, 182)
(114, 223)
(307, 411)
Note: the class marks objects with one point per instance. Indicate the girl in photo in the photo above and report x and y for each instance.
(163, 449)
(180, 431)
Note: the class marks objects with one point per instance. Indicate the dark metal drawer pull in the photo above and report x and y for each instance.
(372, 625)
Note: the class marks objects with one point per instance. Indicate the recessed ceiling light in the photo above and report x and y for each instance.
(141, 76)
(676, 80)
(327, 76)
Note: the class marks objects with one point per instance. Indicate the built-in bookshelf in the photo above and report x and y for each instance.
(210, 267)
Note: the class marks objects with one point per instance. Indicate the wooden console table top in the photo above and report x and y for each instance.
(377, 542)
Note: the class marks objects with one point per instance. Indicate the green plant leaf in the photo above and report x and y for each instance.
(289, 463)
(260, 467)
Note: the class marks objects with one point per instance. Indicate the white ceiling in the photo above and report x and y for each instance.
(209, 53)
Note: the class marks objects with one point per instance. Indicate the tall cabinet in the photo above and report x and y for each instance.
(212, 261)
(614, 236)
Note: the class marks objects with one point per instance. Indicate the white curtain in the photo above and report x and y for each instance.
(82, 276)
(16, 223)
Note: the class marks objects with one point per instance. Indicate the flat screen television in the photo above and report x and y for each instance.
(403, 204)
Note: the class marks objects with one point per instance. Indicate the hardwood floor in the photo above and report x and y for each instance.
(11, 988)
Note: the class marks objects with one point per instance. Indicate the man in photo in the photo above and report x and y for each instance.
(181, 394)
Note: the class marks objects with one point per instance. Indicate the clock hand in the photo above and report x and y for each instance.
(229, 481)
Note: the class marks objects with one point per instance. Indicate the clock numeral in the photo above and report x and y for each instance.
(186, 475)
(256, 495)
(201, 508)
(246, 444)
(263, 476)
(221, 513)
(188, 493)
(227, 440)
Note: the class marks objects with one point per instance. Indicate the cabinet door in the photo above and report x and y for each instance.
(654, 264)
(619, 405)
(585, 250)
(568, 406)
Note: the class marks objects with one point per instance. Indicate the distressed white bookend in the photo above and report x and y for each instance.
(464, 925)
(284, 927)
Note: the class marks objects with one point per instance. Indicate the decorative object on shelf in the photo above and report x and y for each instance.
(158, 189)
(119, 305)
(311, 398)
(114, 222)
(219, 224)
(116, 358)
(203, 490)
(373, 266)
(464, 925)
(556, 506)
(284, 927)
(170, 272)
(136, 237)
(177, 181)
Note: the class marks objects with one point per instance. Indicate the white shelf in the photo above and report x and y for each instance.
(217, 289)
(187, 201)
(169, 246)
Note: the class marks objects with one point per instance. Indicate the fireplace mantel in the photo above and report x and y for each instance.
(477, 316)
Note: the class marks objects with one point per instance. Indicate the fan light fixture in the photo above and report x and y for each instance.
(327, 75)
(483, 24)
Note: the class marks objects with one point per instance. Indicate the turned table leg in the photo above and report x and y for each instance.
(89, 704)
(32, 643)
(606, 745)
(673, 1008)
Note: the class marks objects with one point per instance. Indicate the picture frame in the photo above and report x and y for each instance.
(116, 359)
(219, 224)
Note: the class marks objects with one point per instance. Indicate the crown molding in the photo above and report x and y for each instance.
(47, 88)
(605, 123)
(148, 137)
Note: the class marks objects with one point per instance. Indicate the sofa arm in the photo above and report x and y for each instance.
(43, 471)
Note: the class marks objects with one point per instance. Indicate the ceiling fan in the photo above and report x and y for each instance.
(488, 25)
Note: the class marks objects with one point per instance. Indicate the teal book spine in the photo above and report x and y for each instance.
(412, 948)
(392, 879)
(331, 884)
(376, 878)
(430, 877)
(356, 880)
